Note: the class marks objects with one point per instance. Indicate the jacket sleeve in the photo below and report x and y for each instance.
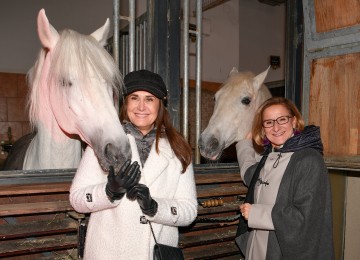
(260, 217)
(87, 192)
(247, 159)
(181, 210)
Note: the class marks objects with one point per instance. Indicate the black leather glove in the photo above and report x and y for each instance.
(141, 193)
(125, 179)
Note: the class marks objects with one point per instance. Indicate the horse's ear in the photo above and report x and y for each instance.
(234, 70)
(259, 79)
(47, 34)
(101, 34)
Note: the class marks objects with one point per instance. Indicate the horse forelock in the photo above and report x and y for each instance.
(237, 85)
(78, 56)
(75, 55)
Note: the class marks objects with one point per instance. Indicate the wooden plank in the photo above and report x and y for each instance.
(349, 163)
(36, 228)
(221, 191)
(34, 208)
(214, 251)
(336, 14)
(21, 246)
(67, 255)
(207, 226)
(217, 178)
(206, 239)
(37, 188)
(334, 103)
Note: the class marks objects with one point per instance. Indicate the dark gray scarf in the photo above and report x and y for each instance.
(143, 142)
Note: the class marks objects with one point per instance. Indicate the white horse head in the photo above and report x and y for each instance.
(75, 87)
(235, 105)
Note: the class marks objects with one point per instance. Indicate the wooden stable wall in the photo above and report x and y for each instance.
(331, 99)
(38, 222)
(336, 14)
(335, 102)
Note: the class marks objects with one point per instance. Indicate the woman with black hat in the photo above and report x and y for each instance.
(159, 185)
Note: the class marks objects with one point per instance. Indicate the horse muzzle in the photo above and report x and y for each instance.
(113, 155)
(211, 148)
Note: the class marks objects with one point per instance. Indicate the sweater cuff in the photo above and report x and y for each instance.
(260, 217)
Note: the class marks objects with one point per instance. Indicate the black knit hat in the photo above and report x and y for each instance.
(145, 80)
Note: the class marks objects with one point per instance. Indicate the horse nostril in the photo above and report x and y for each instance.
(110, 152)
(200, 144)
(214, 143)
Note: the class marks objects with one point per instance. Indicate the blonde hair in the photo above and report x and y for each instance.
(257, 131)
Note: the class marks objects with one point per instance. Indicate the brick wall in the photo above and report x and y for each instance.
(13, 114)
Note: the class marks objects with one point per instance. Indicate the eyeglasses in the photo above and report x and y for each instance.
(280, 120)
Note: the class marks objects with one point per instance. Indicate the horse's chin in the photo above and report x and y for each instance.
(211, 155)
(105, 165)
(117, 163)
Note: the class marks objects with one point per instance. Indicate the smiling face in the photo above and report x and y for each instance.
(278, 133)
(142, 110)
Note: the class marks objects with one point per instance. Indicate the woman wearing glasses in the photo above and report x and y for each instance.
(290, 216)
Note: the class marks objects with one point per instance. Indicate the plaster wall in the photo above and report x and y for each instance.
(242, 34)
(19, 43)
(239, 33)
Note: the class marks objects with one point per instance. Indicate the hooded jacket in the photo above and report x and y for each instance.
(292, 214)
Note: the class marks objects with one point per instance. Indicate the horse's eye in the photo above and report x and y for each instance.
(214, 98)
(65, 83)
(246, 101)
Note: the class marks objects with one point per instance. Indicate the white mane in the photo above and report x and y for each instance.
(73, 51)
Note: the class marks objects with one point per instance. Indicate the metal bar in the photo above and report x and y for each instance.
(141, 46)
(185, 128)
(198, 76)
(145, 43)
(116, 31)
(132, 35)
(150, 36)
(137, 47)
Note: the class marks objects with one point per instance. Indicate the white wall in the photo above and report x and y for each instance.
(220, 42)
(19, 44)
(262, 33)
(239, 33)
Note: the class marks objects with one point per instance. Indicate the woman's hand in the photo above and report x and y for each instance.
(245, 210)
(118, 184)
(141, 193)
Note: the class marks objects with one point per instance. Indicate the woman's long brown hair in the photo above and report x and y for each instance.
(179, 145)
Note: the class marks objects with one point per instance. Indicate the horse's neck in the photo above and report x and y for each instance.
(52, 149)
